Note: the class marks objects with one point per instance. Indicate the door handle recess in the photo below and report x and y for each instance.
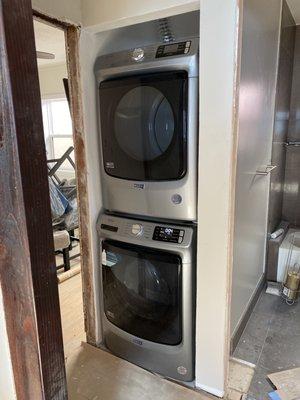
(266, 171)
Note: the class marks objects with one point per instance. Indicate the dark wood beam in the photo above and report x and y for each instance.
(28, 272)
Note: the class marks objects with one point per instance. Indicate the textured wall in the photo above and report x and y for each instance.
(291, 199)
(260, 51)
(282, 115)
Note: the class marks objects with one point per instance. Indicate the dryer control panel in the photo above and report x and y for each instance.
(173, 49)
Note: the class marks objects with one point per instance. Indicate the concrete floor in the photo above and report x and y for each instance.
(271, 341)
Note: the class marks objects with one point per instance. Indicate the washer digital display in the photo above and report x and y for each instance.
(168, 234)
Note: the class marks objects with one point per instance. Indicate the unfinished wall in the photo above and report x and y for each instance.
(102, 15)
(282, 116)
(260, 45)
(291, 200)
(68, 10)
(51, 83)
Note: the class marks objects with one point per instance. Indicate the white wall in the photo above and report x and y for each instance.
(102, 15)
(7, 385)
(67, 10)
(260, 47)
(51, 84)
(218, 54)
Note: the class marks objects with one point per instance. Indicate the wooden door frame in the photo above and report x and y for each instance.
(27, 264)
(72, 37)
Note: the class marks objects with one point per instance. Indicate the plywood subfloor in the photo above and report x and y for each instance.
(71, 307)
(94, 374)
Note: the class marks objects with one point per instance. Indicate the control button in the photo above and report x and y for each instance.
(180, 239)
(138, 54)
(181, 233)
(137, 229)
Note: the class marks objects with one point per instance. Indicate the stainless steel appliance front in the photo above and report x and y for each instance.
(147, 280)
(148, 120)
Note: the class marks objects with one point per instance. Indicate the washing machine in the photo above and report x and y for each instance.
(148, 124)
(147, 276)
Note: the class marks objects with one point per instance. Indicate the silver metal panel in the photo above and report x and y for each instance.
(164, 359)
(154, 199)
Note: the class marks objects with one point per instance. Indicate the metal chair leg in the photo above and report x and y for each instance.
(66, 257)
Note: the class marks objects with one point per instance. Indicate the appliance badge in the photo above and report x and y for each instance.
(110, 165)
(182, 370)
(139, 185)
(137, 341)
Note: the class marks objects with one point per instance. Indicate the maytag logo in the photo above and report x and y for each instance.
(139, 185)
(137, 341)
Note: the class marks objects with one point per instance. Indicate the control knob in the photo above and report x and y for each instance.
(137, 229)
(138, 54)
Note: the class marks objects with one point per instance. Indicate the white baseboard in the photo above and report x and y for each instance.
(214, 391)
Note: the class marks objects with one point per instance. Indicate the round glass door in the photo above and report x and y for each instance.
(142, 291)
(144, 123)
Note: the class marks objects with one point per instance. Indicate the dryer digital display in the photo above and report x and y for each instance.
(173, 49)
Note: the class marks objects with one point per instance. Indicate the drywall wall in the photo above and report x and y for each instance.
(218, 62)
(67, 10)
(260, 47)
(7, 385)
(51, 84)
(282, 115)
(103, 15)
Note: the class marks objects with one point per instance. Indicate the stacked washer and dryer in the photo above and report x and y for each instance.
(148, 102)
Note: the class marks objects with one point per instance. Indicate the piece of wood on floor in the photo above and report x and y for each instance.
(287, 383)
(240, 377)
(68, 274)
(94, 374)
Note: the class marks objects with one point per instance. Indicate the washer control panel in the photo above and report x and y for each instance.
(168, 234)
(144, 232)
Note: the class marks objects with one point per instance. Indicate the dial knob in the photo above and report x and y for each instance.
(138, 54)
(137, 229)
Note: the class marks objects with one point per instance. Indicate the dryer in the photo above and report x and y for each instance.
(147, 277)
(148, 118)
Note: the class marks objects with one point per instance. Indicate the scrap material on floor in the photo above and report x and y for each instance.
(287, 384)
(270, 341)
(94, 374)
(63, 276)
(240, 377)
(71, 308)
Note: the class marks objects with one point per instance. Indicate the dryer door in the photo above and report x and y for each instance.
(143, 126)
(142, 291)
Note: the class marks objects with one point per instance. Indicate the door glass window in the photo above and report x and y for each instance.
(142, 290)
(143, 126)
(144, 123)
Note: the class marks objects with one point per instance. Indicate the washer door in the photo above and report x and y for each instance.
(142, 291)
(143, 126)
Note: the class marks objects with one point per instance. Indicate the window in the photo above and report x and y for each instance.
(57, 130)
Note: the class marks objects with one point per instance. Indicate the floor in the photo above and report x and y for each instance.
(94, 374)
(271, 341)
(71, 307)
